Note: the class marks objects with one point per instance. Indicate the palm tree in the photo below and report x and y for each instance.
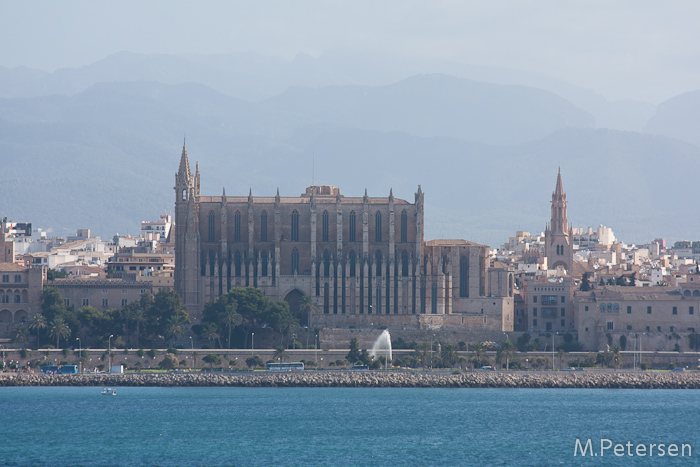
(174, 329)
(616, 357)
(138, 316)
(450, 355)
(231, 318)
(507, 350)
(18, 335)
(210, 332)
(423, 352)
(308, 306)
(479, 352)
(280, 354)
(59, 329)
(37, 323)
(560, 352)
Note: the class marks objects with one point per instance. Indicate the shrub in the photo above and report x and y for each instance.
(153, 353)
(169, 362)
(141, 353)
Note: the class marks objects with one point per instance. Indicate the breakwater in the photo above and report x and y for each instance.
(370, 379)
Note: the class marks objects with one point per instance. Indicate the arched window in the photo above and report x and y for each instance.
(295, 226)
(184, 195)
(352, 226)
(212, 226)
(295, 261)
(326, 264)
(263, 226)
(378, 226)
(237, 226)
(263, 259)
(463, 277)
(378, 261)
(237, 261)
(352, 264)
(404, 263)
(404, 226)
(324, 229)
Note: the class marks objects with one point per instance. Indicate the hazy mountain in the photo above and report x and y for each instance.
(678, 117)
(254, 77)
(105, 159)
(438, 105)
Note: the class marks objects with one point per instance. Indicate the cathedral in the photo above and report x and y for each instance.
(558, 235)
(362, 259)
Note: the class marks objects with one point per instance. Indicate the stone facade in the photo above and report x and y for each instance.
(664, 316)
(354, 255)
(103, 294)
(20, 294)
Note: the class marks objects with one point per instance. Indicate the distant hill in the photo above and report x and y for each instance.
(105, 158)
(678, 117)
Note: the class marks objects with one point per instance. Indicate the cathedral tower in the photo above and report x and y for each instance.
(559, 248)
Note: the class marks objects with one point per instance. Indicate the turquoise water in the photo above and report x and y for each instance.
(67, 426)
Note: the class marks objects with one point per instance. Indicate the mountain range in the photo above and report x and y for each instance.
(97, 146)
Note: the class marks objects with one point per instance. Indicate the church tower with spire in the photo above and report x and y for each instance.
(187, 241)
(559, 244)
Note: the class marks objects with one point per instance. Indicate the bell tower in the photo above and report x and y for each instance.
(187, 260)
(559, 248)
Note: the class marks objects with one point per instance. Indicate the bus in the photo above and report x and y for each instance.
(59, 369)
(294, 366)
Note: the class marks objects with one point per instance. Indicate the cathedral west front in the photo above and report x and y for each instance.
(362, 259)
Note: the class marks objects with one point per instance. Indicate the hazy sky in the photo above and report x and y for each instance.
(645, 50)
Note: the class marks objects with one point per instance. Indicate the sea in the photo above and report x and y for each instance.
(78, 426)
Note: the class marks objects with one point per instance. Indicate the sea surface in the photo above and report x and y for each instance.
(77, 426)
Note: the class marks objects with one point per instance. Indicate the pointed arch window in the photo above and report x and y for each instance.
(295, 261)
(212, 226)
(263, 260)
(263, 226)
(352, 226)
(404, 263)
(184, 195)
(463, 277)
(404, 226)
(237, 226)
(237, 262)
(326, 299)
(324, 229)
(378, 226)
(326, 264)
(378, 261)
(352, 263)
(295, 226)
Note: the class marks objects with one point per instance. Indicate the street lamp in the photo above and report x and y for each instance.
(109, 351)
(80, 355)
(252, 343)
(316, 339)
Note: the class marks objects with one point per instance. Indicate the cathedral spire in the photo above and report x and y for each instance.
(559, 190)
(184, 164)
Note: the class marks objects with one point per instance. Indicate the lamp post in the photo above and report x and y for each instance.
(252, 344)
(552, 350)
(109, 351)
(80, 355)
(316, 339)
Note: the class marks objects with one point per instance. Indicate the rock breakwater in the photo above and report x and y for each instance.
(370, 379)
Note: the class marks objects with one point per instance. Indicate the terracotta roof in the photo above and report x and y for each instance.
(12, 267)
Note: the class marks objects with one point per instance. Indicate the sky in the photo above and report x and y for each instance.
(627, 49)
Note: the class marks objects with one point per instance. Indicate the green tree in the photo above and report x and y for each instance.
(212, 359)
(507, 352)
(449, 355)
(18, 335)
(52, 274)
(210, 332)
(254, 362)
(585, 283)
(354, 354)
(479, 352)
(306, 308)
(231, 318)
(166, 308)
(281, 354)
(37, 323)
(169, 362)
(423, 350)
(59, 329)
(175, 328)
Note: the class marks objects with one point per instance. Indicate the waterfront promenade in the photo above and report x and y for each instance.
(372, 379)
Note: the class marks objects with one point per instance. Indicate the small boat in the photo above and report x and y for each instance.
(109, 392)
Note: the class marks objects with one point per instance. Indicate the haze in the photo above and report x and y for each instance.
(638, 50)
